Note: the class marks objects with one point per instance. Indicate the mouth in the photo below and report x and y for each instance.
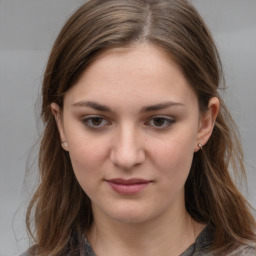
(128, 186)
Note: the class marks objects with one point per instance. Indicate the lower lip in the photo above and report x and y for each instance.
(128, 189)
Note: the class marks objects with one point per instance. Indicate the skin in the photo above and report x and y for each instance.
(131, 140)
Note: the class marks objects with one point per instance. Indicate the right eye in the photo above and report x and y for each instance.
(95, 122)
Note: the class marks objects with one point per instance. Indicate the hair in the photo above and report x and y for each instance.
(59, 207)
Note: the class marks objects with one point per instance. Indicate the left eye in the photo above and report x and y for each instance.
(95, 122)
(160, 122)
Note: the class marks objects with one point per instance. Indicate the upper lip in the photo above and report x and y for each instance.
(128, 181)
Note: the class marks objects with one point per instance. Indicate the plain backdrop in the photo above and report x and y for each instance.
(27, 31)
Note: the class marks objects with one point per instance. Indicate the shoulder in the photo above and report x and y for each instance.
(204, 240)
(245, 250)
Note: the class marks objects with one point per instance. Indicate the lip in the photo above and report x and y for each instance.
(128, 186)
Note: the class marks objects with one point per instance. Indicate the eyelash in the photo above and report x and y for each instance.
(88, 122)
(166, 120)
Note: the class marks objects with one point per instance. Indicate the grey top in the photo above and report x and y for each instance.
(199, 248)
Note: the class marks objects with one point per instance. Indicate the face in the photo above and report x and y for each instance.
(131, 125)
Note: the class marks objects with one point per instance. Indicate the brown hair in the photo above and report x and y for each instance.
(59, 206)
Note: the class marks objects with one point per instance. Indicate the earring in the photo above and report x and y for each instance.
(64, 144)
(200, 146)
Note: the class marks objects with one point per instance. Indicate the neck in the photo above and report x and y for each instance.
(110, 237)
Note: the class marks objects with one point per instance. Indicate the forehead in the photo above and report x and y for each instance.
(139, 73)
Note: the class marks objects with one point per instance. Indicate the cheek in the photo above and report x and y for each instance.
(88, 154)
(174, 156)
(174, 165)
(85, 148)
(87, 161)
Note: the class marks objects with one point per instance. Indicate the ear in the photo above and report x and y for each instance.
(56, 111)
(207, 121)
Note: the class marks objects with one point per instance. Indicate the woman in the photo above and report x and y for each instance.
(137, 146)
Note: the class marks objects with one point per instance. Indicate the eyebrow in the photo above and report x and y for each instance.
(100, 107)
(161, 106)
(94, 105)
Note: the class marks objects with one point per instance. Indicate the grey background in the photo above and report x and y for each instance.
(27, 31)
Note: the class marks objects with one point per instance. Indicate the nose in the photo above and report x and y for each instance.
(127, 149)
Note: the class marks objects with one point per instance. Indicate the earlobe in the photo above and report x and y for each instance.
(207, 122)
(56, 111)
(64, 145)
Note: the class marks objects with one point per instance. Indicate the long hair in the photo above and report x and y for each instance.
(60, 208)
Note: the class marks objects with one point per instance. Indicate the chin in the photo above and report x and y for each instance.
(131, 215)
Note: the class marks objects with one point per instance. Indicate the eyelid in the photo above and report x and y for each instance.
(168, 119)
(86, 119)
